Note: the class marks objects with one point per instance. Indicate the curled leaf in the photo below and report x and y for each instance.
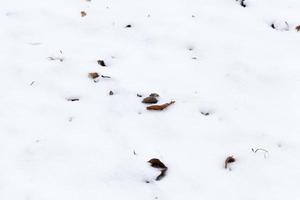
(229, 159)
(156, 163)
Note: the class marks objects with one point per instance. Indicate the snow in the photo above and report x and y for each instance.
(209, 56)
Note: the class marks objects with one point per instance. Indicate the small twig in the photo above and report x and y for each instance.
(56, 58)
(288, 26)
(105, 76)
(72, 99)
(260, 149)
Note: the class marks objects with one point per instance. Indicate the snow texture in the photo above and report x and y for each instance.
(232, 70)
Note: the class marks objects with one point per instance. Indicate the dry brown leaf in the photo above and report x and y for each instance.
(83, 14)
(156, 163)
(229, 159)
(160, 107)
(94, 75)
(150, 100)
(101, 62)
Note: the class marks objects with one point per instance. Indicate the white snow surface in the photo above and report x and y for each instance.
(208, 55)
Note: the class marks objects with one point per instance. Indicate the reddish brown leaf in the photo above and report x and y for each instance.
(160, 107)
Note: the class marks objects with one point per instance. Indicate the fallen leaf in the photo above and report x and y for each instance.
(150, 100)
(101, 62)
(94, 75)
(160, 107)
(229, 159)
(83, 14)
(156, 163)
